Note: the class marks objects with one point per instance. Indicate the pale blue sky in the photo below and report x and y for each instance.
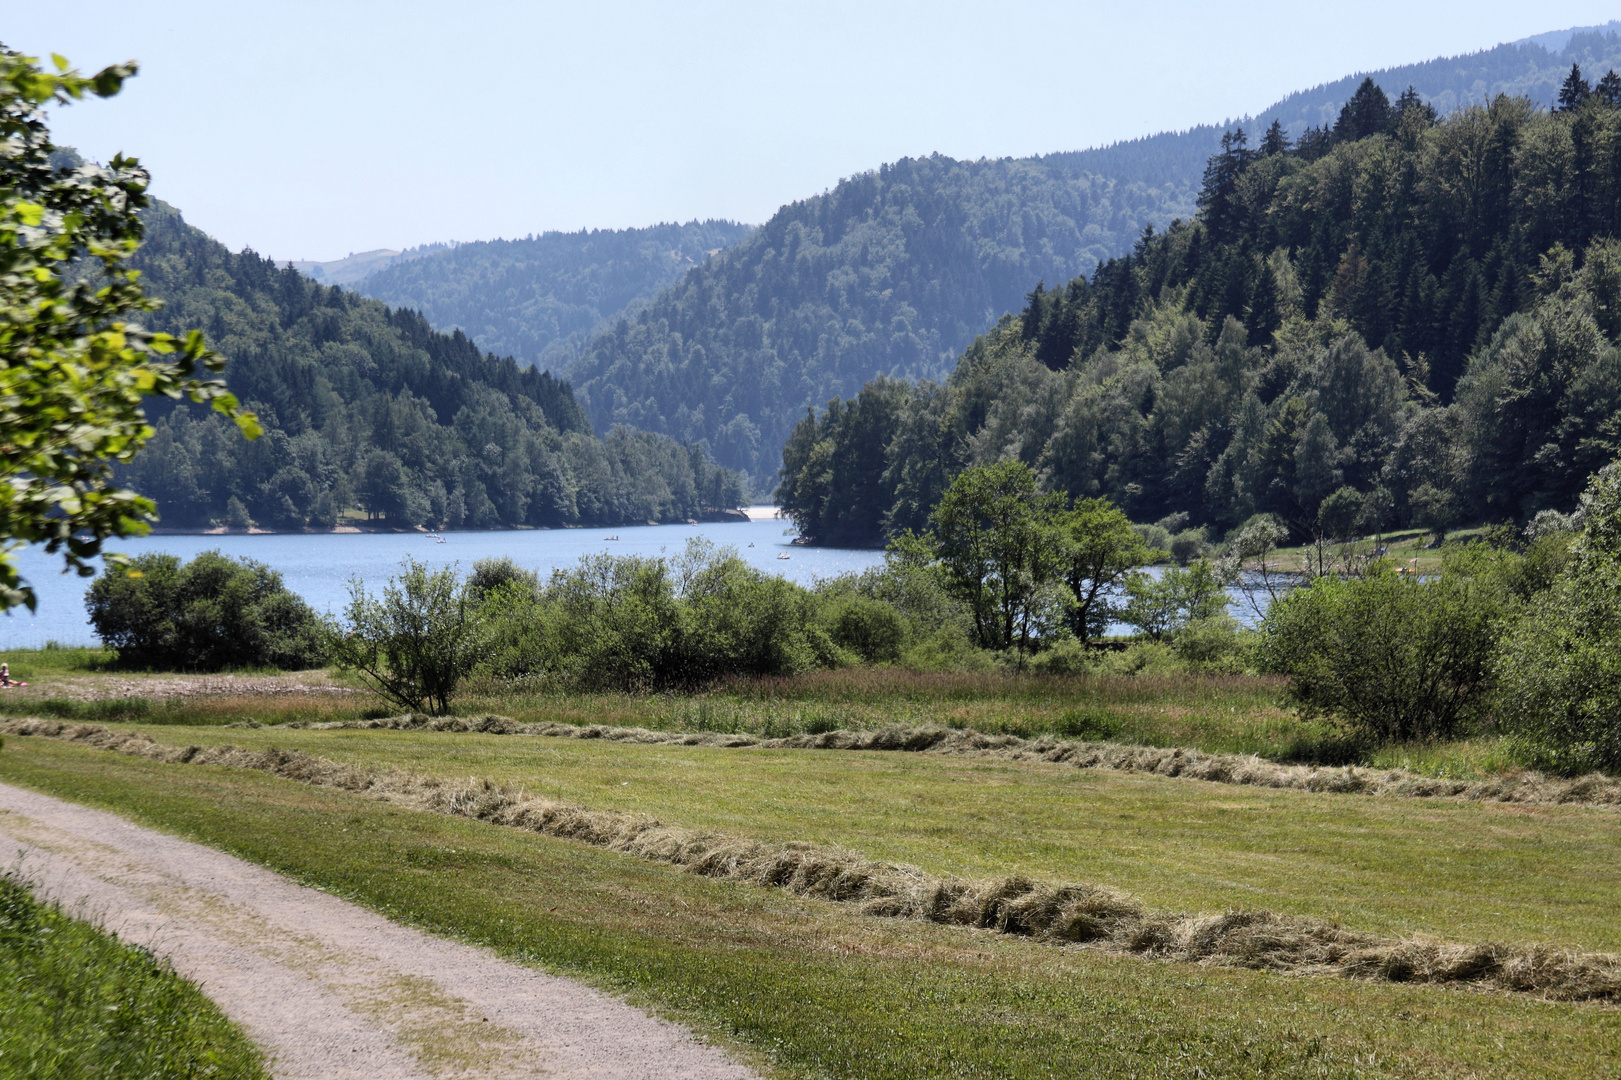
(311, 130)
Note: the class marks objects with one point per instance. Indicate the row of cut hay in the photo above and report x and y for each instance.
(1593, 789)
(1100, 916)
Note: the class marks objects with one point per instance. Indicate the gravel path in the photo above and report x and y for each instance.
(330, 990)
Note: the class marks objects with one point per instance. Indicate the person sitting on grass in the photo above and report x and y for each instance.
(6, 681)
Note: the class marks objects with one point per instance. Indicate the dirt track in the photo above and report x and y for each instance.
(331, 990)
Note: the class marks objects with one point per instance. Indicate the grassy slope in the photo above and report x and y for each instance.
(1459, 870)
(818, 991)
(75, 1002)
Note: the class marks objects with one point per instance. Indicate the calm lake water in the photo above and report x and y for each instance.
(319, 567)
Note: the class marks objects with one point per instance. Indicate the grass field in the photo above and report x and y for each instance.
(1459, 870)
(812, 989)
(76, 1003)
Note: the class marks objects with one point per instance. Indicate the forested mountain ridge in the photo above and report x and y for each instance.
(366, 406)
(537, 298)
(895, 271)
(1420, 310)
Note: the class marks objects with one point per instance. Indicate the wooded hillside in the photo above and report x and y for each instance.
(368, 407)
(1422, 310)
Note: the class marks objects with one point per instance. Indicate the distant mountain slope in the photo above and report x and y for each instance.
(896, 271)
(530, 298)
(357, 264)
(893, 270)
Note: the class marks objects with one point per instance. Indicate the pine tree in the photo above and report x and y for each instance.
(1261, 320)
(1221, 182)
(1034, 311)
(1314, 143)
(1409, 101)
(1367, 113)
(1609, 89)
(1574, 90)
(1275, 142)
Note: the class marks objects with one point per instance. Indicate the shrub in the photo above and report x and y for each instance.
(871, 629)
(491, 574)
(1066, 656)
(417, 642)
(627, 623)
(209, 614)
(1212, 644)
(1559, 666)
(1391, 656)
(1188, 546)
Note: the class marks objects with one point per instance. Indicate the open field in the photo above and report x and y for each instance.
(817, 989)
(75, 1002)
(1462, 871)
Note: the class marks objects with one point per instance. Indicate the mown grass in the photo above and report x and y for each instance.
(1458, 870)
(816, 991)
(76, 1003)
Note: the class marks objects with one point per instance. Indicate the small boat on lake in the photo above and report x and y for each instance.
(610, 538)
(784, 555)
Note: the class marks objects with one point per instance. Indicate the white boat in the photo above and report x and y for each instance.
(784, 555)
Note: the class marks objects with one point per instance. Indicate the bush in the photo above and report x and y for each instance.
(1188, 546)
(626, 623)
(871, 629)
(1212, 644)
(1065, 656)
(417, 642)
(491, 574)
(1393, 657)
(210, 614)
(1559, 667)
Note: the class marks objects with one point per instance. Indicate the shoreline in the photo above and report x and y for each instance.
(737, 516)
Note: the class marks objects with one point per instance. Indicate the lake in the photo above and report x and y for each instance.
(318, 567)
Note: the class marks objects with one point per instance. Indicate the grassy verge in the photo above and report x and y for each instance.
(1462, 871)
(75, 1002)
(817, 991)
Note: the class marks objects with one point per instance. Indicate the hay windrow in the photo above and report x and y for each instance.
(1594, 789)
(1092, 915)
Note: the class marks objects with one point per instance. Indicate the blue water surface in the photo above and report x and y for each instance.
(319, 567)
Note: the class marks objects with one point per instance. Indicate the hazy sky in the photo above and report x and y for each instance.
(311, 130)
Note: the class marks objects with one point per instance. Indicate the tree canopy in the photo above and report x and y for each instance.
(1424, 314)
